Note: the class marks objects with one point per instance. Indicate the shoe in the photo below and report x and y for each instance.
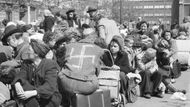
(159, 95)
(147, 96)
(183, 91)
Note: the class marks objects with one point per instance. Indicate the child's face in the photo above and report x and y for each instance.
(167, 36)
(129, 43)
(144, 27)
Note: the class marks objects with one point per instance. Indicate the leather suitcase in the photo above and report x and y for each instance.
(100, 98)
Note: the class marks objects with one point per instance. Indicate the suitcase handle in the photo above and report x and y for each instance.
(106, 50)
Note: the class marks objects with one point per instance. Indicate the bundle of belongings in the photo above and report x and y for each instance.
(4, 93)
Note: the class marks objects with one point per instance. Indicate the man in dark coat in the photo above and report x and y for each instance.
(36, 84)
(14, 37)
(72, 19)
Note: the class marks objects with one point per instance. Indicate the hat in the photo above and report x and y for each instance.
(70, 10)
(9, 30)
(39, 48)
(91, 9)
(11, 23)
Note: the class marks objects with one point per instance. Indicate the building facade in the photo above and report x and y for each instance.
(150, 10)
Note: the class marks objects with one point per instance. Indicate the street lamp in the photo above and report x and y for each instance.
(120, 11)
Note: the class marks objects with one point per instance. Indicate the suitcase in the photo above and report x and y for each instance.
(10, 103)
(109, 79)
(100, 98)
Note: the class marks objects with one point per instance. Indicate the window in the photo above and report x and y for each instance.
(168, 6)
(148, 7)
(159, 6)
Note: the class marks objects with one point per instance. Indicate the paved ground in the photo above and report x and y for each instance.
(183, 82)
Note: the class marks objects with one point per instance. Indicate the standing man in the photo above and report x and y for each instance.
(72, 20)
(49, 21)
(106, 28)
(92, 12)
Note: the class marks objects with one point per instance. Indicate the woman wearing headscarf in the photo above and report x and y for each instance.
(36, 84)
(121, 61)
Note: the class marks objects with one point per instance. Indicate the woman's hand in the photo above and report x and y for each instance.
(27, 94)
(115, 67)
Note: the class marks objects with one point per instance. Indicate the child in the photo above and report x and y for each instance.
(128, 48)
(148, 69)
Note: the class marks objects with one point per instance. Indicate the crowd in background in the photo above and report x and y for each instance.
(45, 63)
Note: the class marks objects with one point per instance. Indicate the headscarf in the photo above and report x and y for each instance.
(39, 48)
(48, 13)
(119, 40)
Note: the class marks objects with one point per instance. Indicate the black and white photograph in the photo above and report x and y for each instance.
(94, 53)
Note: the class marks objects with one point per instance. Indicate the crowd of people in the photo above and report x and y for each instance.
(45, 64)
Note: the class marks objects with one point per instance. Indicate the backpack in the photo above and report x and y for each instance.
(131, 92)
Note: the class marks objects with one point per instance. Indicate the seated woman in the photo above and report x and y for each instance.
(164, 59)
(148, 69)
(36, 84)
(143, 36)
(121, 61)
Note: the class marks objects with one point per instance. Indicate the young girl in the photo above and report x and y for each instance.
(164, 60)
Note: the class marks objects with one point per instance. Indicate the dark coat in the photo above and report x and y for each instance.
(43, 79)
(48, 23)
(7, 51)
(71, 22)
(122, 61)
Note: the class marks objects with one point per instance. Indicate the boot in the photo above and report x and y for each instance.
(171, 88)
